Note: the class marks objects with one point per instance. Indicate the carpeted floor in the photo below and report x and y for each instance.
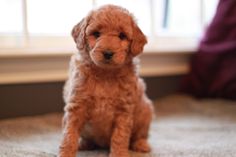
(183, 127)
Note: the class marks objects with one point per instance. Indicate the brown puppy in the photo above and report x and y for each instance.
(106, 105)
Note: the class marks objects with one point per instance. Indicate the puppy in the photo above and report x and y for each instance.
(106, 104)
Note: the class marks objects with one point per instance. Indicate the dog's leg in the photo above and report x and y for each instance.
(141, 145)
(73, 122)
(121, 136)
(142, 122)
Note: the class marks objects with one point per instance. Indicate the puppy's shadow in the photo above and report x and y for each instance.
(105, 153)
(93, 153)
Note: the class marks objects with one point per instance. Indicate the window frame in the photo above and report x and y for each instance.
(39, 58)
(46, 41)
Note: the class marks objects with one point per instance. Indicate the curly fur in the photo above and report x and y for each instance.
(106, 104)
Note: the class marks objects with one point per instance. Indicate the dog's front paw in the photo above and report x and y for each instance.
(66, 153)
(119, 154)
(141, 145)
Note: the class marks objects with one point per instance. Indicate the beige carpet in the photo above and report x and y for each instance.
(183, 127)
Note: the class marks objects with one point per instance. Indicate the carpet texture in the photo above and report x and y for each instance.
(183, 127)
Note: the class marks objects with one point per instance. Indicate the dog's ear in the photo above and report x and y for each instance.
(138, 42)
(78, 32)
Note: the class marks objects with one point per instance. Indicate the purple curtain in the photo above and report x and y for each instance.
(213, 67)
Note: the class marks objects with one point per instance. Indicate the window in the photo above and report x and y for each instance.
(55, 17)
(39, 23)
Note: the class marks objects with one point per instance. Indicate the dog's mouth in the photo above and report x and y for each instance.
(107, 64)
(107, 59)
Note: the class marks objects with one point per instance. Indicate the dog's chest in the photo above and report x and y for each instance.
(107, 95)
(101, 112)
(106, 89)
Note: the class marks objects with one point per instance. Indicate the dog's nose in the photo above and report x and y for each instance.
(107, 55)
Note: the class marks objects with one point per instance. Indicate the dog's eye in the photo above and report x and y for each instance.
(122, 36)
(96, 34)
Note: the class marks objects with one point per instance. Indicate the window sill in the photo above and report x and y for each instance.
(49, 65)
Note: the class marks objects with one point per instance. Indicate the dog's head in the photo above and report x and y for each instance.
(109, 36)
